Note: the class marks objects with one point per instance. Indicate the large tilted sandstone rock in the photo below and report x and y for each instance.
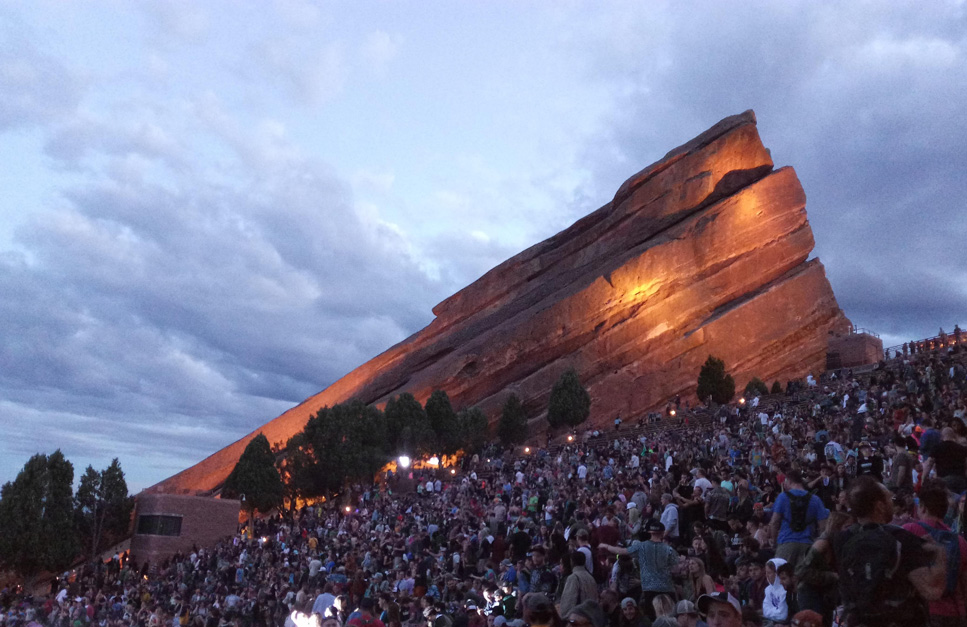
(704, 252)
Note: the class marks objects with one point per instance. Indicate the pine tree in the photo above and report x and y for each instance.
(443, 421)
(408, 427)
(474, 429)
(570, 403)
(756, 387)
(37, 517)
(512, 427)
(714, 382)
(102, 507)
(256, 477)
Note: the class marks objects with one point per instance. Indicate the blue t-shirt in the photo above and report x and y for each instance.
(814, 514)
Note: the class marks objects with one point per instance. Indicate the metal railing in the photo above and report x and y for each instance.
(938, 342)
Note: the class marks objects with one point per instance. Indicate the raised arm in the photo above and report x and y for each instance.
(617, 550)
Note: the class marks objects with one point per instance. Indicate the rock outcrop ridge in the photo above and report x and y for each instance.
(703, 252)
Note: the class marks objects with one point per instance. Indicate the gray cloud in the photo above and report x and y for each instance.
(195, 272)
(863, 100)
(35, 88)
(153, 296)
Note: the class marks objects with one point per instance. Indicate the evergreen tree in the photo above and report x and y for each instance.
(570, 403)
(776, 387)
(756, 387)
(714, 382)
(408, 429)
(343, 443)
(512, 427)
(102, 507)
(37, 517)
(256, 476)
(474, 429)
(443, 421)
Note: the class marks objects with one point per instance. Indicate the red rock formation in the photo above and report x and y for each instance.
(704, 252)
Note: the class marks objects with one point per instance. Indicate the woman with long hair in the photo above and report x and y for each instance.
(696, 581)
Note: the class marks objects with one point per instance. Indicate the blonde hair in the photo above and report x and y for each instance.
(663, 604)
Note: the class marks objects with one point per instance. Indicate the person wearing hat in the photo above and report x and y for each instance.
(720, 610)
(687, 614)
(655, 562)
(586, 614)
(630, 616)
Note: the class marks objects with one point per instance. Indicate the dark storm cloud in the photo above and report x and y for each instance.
(169, 304)
(863, 100)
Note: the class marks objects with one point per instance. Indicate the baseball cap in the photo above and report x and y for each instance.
(630, 505)
(592, 611)
(706, 600)
(628, 602)
(685, 607)
(654, 526)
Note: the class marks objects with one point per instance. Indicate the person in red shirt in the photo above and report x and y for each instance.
(950, 609)
(364, 617)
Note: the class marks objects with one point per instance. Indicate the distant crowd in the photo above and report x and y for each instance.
(840, 503)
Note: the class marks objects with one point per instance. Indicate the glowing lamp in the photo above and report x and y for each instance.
(527, 449)
(453, 471)
(570, 438)
(741, 401)
(434, 461)
(404, 461)
(348, 509)
(672, 412)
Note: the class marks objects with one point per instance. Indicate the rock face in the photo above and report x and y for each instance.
(704, 252)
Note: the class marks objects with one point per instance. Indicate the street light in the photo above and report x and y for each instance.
(404, 461)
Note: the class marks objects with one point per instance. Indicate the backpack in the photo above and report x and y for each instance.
(951, 542)
(868, 561)
(798, 511)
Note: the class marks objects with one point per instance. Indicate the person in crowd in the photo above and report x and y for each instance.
(950, 610)
(797, 518)
(493, 543)
(720, 610)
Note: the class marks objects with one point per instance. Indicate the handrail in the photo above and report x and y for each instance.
(937, 342)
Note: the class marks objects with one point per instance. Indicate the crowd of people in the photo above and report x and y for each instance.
(838, 503)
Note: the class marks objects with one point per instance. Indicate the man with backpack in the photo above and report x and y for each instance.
(950, 610)
(796, 518)
(885, 573)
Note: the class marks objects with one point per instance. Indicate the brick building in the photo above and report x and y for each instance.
(168, 523)
(858, 348)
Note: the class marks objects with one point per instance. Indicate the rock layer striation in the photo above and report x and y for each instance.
(703, 253)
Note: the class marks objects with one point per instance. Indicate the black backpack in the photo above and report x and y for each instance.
(798, 511)
(870, 584)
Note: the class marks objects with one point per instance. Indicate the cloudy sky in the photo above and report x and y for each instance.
(210, 211)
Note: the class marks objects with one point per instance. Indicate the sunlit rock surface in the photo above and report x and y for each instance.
(704, 252)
